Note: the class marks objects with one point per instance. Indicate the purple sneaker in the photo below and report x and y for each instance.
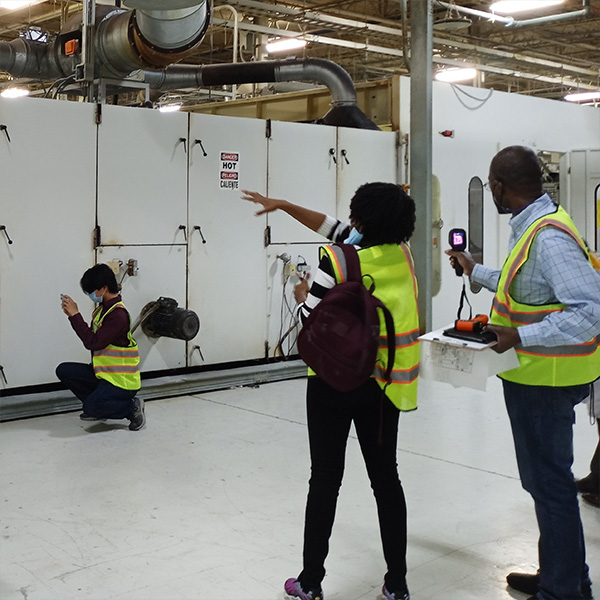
(294, 591)
(394, 595)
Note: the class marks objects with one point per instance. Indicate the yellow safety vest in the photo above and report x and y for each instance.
(391, 268)
(116, 364)
(558, 366)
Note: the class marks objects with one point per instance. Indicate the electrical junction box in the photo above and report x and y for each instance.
(461, 363)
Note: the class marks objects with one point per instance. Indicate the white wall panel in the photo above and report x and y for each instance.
(161, 272)
(301, 170)
(47, 205)
(227, 274)
(364, 156)
(142, 162)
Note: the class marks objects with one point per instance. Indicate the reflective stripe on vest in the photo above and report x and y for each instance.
(391, 268)
(541, 365)
(116, 364)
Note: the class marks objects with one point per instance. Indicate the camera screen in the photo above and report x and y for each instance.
(457, 239)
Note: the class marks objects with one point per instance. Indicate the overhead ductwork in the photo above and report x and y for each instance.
(344, 111)
(152, 39)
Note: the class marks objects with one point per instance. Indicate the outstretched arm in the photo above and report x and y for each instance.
(310, 218)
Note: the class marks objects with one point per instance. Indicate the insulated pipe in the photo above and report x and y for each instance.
(328, 73)
(344, 111)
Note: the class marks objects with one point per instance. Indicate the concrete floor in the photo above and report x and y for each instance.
(206, 502)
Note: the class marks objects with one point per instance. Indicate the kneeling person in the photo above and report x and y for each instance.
(107, 387)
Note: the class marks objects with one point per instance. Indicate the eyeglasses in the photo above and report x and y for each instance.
(486, 185)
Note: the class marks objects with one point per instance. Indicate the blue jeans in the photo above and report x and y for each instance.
(542, 421)
(100, 398)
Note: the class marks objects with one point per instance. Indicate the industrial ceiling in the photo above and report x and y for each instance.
(371, 39)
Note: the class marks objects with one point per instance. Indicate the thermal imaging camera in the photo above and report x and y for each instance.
(457, 238)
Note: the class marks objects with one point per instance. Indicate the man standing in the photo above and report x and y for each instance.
(546, 306)
(107, 387)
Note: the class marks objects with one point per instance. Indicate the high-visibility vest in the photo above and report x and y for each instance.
(557, 366)
(116, 364)
(391, 268)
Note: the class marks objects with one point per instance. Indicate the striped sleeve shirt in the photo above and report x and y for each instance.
(336, 231)
(557, 271)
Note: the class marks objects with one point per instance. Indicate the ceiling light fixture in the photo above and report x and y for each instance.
(281, 45)
(582, 96)
(508, 7)
(16, 4)
(170, 107)
(456, 75)
(14, 92)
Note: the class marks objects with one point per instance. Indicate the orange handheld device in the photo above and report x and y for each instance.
(475, 325)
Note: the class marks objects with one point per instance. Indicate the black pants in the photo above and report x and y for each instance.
(330, 414)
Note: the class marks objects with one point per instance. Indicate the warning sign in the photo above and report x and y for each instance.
(229, 174)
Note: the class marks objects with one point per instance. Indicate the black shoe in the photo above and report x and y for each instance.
(524, 582)
(589, 484)
(138, 417)
(593, 499)
(85, 417)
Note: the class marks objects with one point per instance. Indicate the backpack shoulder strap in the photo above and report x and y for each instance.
(350, 253)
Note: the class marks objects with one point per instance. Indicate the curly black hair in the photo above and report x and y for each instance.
(383, 212)
(97, 277)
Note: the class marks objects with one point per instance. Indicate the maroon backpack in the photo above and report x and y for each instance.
(340, 337)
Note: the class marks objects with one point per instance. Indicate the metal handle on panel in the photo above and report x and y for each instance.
(3, 375)
(332, 154)
(199, 230)
(183, 141)
(343, 152)
(201, 146)
(184, 229)
(199, 352)
(3, 228)
(5, 129)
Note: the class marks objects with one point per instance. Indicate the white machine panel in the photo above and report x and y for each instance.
(142, 186)
(302, 169)
(582, 178)
(282, 276)
(47, 205)
(226, 275)
(161, 272)
(364, 156)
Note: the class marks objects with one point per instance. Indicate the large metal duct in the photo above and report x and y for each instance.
(126, 41)
(344, 111)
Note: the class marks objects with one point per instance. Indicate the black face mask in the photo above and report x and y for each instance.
(502, 210)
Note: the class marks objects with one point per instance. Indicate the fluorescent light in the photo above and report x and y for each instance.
(16, 4)
(285, 44)
(454, 75)
(508, 7)
(14, 92)
(170, 107)
(582, 97)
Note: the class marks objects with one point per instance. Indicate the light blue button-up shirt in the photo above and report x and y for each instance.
(556, 271)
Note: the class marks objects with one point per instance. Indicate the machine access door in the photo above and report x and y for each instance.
(142, 185)
(47, 169)
(302, 169)
(227, 270)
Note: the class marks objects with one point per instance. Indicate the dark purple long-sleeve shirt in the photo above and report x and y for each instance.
(113, 330)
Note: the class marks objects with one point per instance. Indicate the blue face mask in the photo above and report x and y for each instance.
(355, 237)
(94, 298)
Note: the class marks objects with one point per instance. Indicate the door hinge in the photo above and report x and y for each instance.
(97, 236)
(267, 237)
(98, 114)
(268, 129)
